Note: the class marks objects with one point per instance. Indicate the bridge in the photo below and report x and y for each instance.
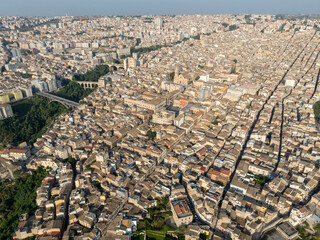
(64, 101)
(86, 85)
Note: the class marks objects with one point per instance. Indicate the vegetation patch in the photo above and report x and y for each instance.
(260, 179)
(155, 226)
(18, 197)
(31, 117)
(316, 110)
(93, 75)
(151, 134)
(73, 91)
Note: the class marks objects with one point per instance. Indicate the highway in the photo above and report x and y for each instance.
(58, 99)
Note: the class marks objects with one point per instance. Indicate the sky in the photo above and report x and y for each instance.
(155, 7)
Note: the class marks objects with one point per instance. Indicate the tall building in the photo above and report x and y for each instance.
(40, 86)
(130, 63)
(205, 92)
(158, 22)
(52, 84)
(16, 53)
(17, 94)
(27, 91)
(135, 55)
(4, 98)
(5, 111)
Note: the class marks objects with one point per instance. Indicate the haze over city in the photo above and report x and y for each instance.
(155, 7)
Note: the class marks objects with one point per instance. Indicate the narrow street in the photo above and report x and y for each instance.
(254, 124)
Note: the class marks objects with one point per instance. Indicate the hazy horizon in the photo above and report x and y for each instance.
(30, 8)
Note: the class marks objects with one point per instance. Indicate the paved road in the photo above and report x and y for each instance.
(59, 99)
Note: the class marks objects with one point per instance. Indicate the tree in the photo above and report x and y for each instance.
(71, 160)
(138, 41)
(171, 76)
(316, 110)
(151, 134)
(203, 236)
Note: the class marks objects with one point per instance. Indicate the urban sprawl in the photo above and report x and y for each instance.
(203, 127)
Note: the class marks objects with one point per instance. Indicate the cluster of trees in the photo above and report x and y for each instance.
(197, 37)
(138, 41)
(31, 116)
(225, 24)
(233, 27)
(18, 197)
(307, 235)
(148, 49)
(260, 179)
(26, 28)
(203, 236)
(155, 225)
(93, 75)
(157, 47)
(73, 91)
(125, 56)
(26, 75)
(316, 110)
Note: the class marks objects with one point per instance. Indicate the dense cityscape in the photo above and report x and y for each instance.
(160, 127)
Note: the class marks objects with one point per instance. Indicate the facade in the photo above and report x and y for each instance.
(15, 153)
(183, 79)
(27, 91)
(259, 170)
(130, 63)
(5, 111)
(164, 117)
(124, 51)
(299, 215)
(4, 98)
(181, 212)
(17, 94)
(153, 105)
(52, 84)
(40, 86)
(171, 87)
(16, 53)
